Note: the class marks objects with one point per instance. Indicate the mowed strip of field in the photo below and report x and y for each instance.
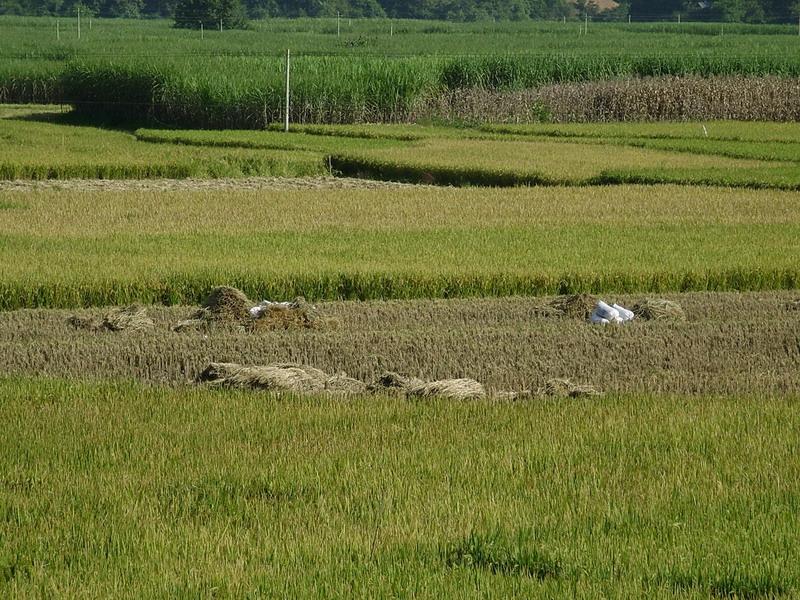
(112, 489)
(731, 343)
(72, 248)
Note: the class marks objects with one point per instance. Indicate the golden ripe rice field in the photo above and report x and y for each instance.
(68, 247)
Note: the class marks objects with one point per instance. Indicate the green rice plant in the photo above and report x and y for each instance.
(499, 555)
(53, 150)
(303, 139)
(763, 151)
(734, 584)
(542, 161)
(726, 131)
(50, 147)
(200, 492)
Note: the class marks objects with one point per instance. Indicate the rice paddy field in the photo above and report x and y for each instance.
(130, 491)
(48, 143)
(451, 201)
(397, 243)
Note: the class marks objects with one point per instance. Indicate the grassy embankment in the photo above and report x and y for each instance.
(54, 149)
(733, 154)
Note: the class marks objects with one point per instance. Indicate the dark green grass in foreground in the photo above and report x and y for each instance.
(117, 490)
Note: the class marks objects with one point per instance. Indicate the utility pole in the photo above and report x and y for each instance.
(286, 116)
(220, 25)
(202, 33)
(338, 24)
(58, 30)
(79, 22)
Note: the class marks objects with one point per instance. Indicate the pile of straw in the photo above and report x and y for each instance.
(578, 306)
(129, 318)
(412, 387)
(659, 310)
(225, 303)
(301, 379)
(229, 308)
(297, 314)
(287, 377)
(224, 306)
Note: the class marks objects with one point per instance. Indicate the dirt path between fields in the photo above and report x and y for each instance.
(250, 183)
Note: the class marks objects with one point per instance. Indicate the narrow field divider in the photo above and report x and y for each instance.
(191, 288)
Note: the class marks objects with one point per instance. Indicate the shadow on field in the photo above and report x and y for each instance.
(228, 497)
(501, 554)
(745, 586)
(71, 117)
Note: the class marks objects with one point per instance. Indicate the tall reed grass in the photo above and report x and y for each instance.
(663, 98)
(235, 78)
(247, 92)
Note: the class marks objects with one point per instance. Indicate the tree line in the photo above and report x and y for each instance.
(236, 12)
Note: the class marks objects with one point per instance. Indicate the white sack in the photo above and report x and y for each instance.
(624, 313)
(605, 311)
(259, 309)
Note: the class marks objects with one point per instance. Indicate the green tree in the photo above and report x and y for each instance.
(655, 8)
(191, 13)
(740, 10)
(130, 9)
